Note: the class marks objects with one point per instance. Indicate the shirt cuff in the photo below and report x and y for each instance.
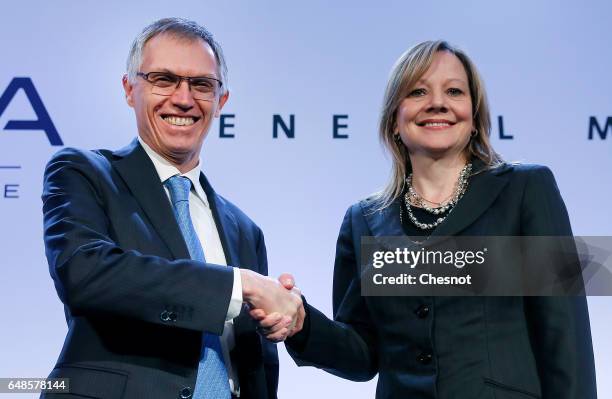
(235, 305)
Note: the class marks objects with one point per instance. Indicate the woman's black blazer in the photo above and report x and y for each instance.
(457, 347)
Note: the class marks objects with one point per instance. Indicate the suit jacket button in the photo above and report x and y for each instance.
(165, 316)
(422, 311)
(185, 393)
(424, 358)
(172, 316)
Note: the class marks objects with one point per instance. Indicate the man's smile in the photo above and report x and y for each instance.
(180, 120)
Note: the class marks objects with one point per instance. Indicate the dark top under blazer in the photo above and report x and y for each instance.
(457, 347)
(136, 304)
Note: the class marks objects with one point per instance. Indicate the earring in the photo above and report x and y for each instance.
(474, 133)
(397, 138)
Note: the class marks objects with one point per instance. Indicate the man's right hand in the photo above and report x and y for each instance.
(279, 301)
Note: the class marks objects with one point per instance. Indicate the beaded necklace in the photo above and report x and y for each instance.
(412, 197)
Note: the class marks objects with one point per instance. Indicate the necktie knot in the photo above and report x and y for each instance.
(179, 188)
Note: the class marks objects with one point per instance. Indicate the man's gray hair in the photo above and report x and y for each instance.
(180, 28)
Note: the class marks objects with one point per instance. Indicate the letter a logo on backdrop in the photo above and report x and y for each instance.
(44, 120)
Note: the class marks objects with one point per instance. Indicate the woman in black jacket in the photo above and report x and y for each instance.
(448, 181)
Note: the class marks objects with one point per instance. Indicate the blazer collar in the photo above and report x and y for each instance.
(485, 185)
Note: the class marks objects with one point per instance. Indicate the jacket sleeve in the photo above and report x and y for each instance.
(559, 326)
(347, 345)
(93, 274)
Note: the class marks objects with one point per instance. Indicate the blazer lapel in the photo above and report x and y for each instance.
(229, 233)
(483, 189)
(225, 221)
(138, 172)
(384, 222)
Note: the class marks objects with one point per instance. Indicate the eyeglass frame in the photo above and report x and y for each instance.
(188, 79)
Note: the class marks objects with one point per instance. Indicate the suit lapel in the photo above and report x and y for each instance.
(384, 222)
(138, 172)
(225, 221)
(229, 233)
(483, 189)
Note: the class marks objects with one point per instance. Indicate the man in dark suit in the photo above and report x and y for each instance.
(153, 267)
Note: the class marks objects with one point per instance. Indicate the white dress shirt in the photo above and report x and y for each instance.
(206, 229)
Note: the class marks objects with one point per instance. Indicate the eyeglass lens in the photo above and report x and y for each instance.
(165, 84)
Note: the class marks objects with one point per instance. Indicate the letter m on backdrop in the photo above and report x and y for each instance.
(602, 132)
(44, 120)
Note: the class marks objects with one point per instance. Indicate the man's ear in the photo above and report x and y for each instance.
(128, 89)
(222, 101)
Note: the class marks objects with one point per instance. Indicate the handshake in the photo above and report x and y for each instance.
(276, 305)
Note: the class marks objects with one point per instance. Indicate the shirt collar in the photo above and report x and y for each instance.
(166, 170)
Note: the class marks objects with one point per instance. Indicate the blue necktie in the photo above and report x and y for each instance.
(212, 381)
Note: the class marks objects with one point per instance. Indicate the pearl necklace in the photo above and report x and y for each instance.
(412, 197)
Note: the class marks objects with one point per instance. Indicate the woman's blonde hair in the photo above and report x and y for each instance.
(408, 69)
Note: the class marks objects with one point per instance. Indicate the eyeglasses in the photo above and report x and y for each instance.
(165, 83)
